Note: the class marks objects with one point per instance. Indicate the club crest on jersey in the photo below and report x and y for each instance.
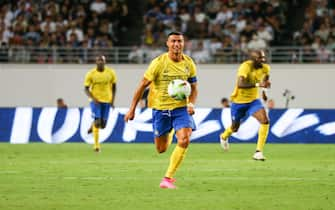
(187, 70)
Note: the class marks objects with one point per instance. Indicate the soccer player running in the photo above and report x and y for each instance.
(167, 112)
(100, 87)
(251, 75)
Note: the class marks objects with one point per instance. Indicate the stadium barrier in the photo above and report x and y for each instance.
(52, 125)
(140, 55)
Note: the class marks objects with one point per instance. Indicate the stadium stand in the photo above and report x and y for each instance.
(217, 31)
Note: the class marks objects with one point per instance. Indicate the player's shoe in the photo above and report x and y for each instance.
(167, 183)
(259, 156)
(224, 143)
(97, 150)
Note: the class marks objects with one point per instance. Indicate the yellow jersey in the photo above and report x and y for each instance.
(253, 76)
(161, 71)
(100, 83)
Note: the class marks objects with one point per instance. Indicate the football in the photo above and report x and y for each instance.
(179, 89)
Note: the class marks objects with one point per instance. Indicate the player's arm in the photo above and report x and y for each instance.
(264, 96)
(136, 98)
(243, 83)
(192, 98)
(113, 86)
(90, 95)
(265, 82)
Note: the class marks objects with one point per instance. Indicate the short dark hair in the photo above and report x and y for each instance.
(175, 33)
(224, 100)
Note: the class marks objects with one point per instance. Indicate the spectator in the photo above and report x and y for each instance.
(225, 103)
(224, 15)
(256, 43)
(61, 103)
(270, 104)
(212, 7)
(201, 54)
(75, 30)
(98, 6)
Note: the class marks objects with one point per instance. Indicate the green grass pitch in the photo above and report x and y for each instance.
(126, 176)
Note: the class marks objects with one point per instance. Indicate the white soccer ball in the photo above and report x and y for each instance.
(179, 89)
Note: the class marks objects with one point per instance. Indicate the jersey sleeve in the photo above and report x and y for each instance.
(193, 69)
(88, 79)
(151, 72)
(243, 70)
(114, 77)
(267, 69)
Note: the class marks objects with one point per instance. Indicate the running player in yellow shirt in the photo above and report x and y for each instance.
(167, 112)
(100, 87)
(252, 74)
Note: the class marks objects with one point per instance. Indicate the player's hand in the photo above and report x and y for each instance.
(265, 84)
(129, 116)
(96, 101)
(190, 109)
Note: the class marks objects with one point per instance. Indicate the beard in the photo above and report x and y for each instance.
(258, 65)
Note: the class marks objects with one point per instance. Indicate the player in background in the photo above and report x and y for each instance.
(167, 112)
(251, 75)
(100, 87)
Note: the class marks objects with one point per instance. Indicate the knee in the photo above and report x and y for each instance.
(264, 120)
(184, 142)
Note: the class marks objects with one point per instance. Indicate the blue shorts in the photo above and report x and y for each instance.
(239, 111)
(100, 110)
(164, 120)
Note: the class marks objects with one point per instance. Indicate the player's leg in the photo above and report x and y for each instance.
(105, 108)
(100, 123)
(261, 115)
(96, 114)
(178, 154)
(161, 143)
(170, 136)
(237, 111)
(90, 129)
(183, 124)
(162, 126)
(95, 129)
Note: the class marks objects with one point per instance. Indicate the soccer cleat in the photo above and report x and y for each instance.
(259, 156)
(224, 143)
(97, 149)
(167, 183)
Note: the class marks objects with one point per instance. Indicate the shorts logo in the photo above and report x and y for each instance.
(156, 132)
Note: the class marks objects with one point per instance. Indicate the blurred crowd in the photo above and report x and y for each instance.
(61, 23)
(215, 30)
(317, 34)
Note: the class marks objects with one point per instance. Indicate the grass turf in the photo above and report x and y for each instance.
(126, 176)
